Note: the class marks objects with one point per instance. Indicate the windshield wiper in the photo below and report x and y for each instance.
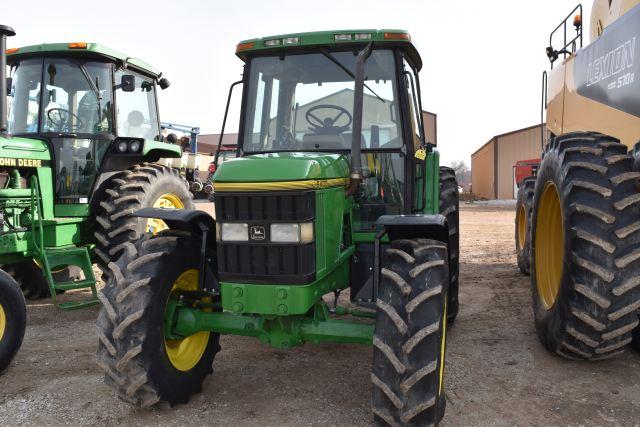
(94, 88)
(346, 70)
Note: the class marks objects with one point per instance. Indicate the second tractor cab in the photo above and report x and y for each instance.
(334, 189)
(80, 134)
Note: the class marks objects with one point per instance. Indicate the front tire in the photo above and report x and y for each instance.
(142, 186)
(450, 208)
(410, 332)
(585, 247)
(139, 363)
(13, 319)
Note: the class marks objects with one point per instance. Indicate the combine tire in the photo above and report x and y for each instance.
(13, 319)
(585, 271)
(450, 208)
(138, 362)
(142, 186)
(410, 331)
(523, 223)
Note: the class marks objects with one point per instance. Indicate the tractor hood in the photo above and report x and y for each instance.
(23, 148)
(273, 167)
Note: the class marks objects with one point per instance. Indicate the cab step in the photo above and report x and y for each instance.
(78, 256)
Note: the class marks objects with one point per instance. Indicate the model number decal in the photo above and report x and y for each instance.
(608, 70)
(613, 63)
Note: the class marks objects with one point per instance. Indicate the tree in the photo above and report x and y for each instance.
(463, 173)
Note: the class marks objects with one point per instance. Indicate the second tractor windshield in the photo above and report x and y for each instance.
(74, 97)
(304, 102)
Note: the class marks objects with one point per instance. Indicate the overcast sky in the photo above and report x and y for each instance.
(483, 60)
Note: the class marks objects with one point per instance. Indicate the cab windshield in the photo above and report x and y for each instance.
(58, 95)
(304, 102)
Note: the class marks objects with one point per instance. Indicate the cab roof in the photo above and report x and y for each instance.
(329, 39)
(80, 49)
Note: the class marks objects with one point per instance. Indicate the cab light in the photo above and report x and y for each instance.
(363, 36)
(291, 40)
(397, 36)
(12, 50)
(77, 45)
(245, 46)
(272, 42)
(342, 37)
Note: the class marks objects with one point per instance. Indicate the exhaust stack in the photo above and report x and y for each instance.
(4, 33)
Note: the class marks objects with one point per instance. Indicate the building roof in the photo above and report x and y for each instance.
(505, 134)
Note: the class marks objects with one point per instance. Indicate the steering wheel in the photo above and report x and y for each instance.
(63, 119)
(328, 125)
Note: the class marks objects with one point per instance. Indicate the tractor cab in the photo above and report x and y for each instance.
(91, 105)
(300, 97)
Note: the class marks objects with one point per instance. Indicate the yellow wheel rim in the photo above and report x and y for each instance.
(166, 201)
(549, 245)
(522, 227)
(3, 322)
(184, 354)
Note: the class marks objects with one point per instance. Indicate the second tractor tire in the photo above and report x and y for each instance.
(585, 251)
(13, 319)
(142, 186)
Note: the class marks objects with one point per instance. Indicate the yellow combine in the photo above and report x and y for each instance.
(584, 224)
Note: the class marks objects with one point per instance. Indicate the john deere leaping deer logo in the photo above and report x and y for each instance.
(257, 232)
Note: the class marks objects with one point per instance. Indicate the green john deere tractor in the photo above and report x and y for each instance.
(334, 189)
(77, 146)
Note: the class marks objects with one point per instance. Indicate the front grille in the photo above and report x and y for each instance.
(263, 262)
(291, 206)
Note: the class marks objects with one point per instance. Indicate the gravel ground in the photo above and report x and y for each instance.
(497, 373)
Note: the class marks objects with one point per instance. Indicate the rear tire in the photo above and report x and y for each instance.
(524, 204)
(450, 208)
(133, 189)
(32, 282)
(132, 349)
(410, 332)
(593, 312)
(13, 319)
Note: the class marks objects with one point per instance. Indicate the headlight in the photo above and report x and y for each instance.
(122, 147)
(235, 232)
(289, 233)
(292, 233)
(134, 146)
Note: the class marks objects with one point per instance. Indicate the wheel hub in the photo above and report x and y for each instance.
(522, 227)
(184, 354)
(549, 246)
(3, 321)
(165, 201)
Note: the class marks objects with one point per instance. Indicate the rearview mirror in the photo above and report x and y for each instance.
(128, 83)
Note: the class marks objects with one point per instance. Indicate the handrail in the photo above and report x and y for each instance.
(571, 42)
(35, 208)
(543, 108)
